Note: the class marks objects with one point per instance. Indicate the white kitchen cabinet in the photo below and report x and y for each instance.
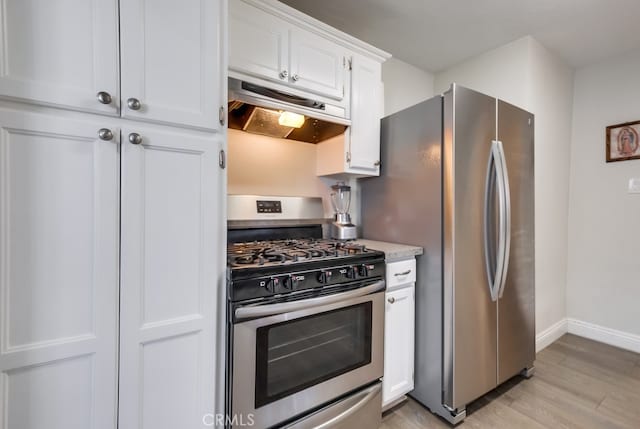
(60, 53)
(357, 152)
(59, 249)
(268, 47)
(170, 64)
(112, 265)
(171, 267)
(367, 103)
(258, 42)
(317, 64)
(399, 332)
(172, 60)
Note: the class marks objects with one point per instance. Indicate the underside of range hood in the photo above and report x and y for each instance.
(256, 109)
(260, 120)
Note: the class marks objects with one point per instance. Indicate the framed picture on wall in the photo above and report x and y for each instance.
(623, 141)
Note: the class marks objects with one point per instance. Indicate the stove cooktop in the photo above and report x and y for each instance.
(273, 253)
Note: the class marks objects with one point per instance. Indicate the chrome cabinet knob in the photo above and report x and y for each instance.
(134, 103)
(284, 74)
(105, 134)
(135, 138)
(391, 300)
(377, 163)
(295, 77)
(104, 97)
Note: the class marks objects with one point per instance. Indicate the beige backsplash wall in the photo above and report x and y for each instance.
(259, 165)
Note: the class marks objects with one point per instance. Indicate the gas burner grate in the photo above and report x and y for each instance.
(261, 253)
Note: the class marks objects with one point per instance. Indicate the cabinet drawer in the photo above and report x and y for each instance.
(401, 272)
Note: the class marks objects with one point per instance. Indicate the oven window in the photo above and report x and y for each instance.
(294, 355)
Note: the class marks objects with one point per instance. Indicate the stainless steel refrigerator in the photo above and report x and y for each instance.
(457, 179)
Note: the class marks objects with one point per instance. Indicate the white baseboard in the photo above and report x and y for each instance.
(613, 337)
(551, 334)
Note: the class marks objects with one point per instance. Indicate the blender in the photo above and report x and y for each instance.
(342, 228)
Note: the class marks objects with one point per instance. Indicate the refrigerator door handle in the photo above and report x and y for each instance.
(494, 177)
(506, 232)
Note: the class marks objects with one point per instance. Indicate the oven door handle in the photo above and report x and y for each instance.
(287, 307)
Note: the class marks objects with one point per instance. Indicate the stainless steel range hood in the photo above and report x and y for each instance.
(257, 109)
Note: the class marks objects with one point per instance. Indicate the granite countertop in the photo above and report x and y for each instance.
(392, 251)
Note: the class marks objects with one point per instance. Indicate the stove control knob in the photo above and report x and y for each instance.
(291, 282)
(325, 276)
(271, 285)
(364, 269)
(352, 272)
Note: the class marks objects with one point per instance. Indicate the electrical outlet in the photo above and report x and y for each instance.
(634, 185)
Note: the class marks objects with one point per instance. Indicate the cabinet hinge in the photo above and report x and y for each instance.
(350, 65)
(348, 156)
(221, 115)
(222, 159)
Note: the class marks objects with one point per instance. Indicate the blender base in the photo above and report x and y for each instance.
(341, 231)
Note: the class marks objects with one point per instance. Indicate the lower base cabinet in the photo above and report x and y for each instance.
(59, 249)
(170, 260)
(399, 342)
(111, 272)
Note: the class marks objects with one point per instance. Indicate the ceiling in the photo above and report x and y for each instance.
(436, 34)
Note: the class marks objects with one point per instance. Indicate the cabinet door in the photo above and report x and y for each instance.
(172, 61)
(317, 64)
(258, 42)
(170, 278)
(366, 111)
(59, 216)
(398, 344)
(60, 53)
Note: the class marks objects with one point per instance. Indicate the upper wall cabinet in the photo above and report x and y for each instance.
(265, 46)
(60, 53)
(317, 64)
(170, 51)
(358, 151)
(65, 54)
(367, 101)
(258, 42)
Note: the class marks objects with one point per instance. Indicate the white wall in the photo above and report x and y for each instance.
(524, 73)
(503, 72)
(604, 220)
(404, 85)
(551, 95)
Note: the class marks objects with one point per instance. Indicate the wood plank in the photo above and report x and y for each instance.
(551, 354)
(595, 348)
(572, 382)
(636, 372)
(622, 406)
(613, 361)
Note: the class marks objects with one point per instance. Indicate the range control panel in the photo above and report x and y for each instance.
(290, 282)
(269, 206)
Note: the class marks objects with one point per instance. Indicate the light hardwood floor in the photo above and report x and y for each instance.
(578, 384)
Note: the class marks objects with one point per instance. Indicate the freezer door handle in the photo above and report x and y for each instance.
(496, 173)
(507, 221)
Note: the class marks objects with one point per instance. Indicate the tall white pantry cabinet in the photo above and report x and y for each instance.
(112, 233)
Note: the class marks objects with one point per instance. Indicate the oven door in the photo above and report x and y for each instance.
(303, 354)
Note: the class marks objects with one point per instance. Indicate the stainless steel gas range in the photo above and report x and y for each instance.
(306, 322)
